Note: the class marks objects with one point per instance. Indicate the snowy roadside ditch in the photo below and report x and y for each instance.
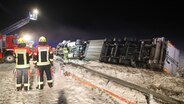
(159, 82)
(124, 92)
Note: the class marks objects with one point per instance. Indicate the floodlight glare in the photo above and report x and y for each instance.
(33, 14)
(35, 11)
(27, 37)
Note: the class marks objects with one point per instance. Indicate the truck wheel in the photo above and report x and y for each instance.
(9, 59)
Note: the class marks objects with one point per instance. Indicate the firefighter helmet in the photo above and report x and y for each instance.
(21, 40)
(42, 39)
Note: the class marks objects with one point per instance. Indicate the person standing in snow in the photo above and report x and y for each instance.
(22, 56)
(43, 60)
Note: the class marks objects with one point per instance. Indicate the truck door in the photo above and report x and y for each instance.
(11, 42)
(172, 59)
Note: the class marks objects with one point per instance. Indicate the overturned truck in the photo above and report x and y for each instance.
(157, 53)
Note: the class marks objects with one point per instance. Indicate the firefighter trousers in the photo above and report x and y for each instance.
(48, 71)
(22, 73)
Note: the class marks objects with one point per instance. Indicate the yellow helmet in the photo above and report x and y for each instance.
(42, 39)
(21, 40)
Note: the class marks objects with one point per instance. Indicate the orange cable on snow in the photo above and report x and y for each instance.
(105, 90)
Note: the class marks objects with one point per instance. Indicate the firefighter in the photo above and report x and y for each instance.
(65, 52)
(22, 56)
(43, 60)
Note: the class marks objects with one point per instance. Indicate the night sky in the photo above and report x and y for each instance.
(96, 20)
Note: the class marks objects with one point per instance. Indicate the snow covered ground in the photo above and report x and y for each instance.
(69, 91)
(65, 90)
(160, 82)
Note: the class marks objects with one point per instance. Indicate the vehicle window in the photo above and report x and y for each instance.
(14, 40)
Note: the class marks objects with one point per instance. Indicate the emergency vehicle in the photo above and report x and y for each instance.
(8, 42)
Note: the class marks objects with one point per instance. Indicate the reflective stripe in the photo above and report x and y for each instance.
(23, 66)
(35, 53)
(43, 63)
(26, 84)
(40, 49)
(23, 52)
(51, 52)
(18, 85)
(40, 83)
(50, 81)
(51, 59)
(34, 62)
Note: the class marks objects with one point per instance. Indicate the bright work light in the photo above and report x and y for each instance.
(33, 14)
(27, 37)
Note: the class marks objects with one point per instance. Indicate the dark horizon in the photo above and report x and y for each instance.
(70, 21)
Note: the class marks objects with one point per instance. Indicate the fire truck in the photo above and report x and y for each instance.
(9, 42)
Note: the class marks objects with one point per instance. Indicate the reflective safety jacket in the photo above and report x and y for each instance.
(43, 55)
(22, 57)
(65, 51)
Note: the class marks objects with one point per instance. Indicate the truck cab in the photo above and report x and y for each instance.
(11, 42)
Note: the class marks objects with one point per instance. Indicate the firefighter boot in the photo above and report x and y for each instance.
(19, 88)
(50, 85)
(26, 88)
(41, 87)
